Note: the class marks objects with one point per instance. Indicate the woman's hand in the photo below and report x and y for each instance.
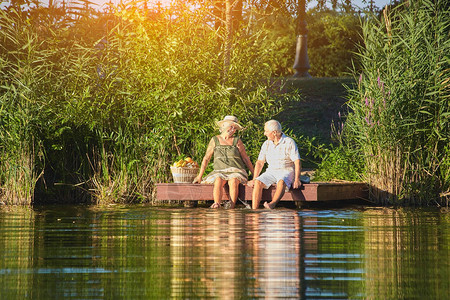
(205, 161)
(250, 183)
(197, 179)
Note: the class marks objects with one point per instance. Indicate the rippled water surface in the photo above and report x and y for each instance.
(140, 252)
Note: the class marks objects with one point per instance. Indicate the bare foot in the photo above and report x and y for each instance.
(267, 205)
(215, 205)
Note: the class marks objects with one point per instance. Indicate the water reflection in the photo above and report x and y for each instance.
(217, 245)
(225, 254)
(407, 254)
(140, 252)
(15, 251)
(277, 254)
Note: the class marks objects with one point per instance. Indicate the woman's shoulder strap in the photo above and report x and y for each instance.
(216, 140)
(235, 140)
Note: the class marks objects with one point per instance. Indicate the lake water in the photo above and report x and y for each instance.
(143, 252)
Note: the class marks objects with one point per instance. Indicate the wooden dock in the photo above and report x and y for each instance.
(314, 191)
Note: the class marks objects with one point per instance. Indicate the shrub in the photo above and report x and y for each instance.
(333, 40)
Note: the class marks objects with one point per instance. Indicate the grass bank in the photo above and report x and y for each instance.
(322, 103)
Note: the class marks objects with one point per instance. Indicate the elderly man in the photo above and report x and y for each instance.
(284, 166)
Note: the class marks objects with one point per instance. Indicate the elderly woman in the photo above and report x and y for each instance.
(230, 159)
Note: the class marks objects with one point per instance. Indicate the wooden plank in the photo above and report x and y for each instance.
(315, 191)
(184, 191)
(328, 191)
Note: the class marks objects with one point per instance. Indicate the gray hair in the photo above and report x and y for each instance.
(273, 125)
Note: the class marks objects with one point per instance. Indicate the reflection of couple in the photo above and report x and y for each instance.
(230, 158)
(215, 255)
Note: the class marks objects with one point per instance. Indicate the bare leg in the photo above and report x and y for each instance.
(279, 192)
(233, 185)
(218, 192)
(257, 194)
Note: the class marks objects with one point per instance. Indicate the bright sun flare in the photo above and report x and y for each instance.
(149, 2)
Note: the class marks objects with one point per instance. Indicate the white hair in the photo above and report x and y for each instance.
(273, 125)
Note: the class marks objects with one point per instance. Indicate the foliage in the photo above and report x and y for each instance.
(277, 29)
(333, 37)
(399, 119)
(333, 40)
(17, 173)
(104, 102)
(339, 163)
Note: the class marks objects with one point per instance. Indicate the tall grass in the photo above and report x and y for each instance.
(20, 151)
(400, 109)
(103, 103)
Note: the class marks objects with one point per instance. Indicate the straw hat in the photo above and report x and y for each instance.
(230, 119)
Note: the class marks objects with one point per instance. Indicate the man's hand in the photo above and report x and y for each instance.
(298, 167)
(250, 183)
(297, 183)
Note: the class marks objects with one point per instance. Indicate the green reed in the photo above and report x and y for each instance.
(400, 110)
(19, 150)
(101, 104)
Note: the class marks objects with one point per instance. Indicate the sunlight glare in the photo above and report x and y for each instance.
(150, 3)
(101, 3)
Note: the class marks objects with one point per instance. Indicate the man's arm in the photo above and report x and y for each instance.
(298, 168)
(258, 168)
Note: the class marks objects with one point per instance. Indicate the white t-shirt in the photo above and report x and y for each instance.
(280, 156)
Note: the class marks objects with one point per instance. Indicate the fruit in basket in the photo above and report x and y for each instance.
(180, 163)
(191, 163)
(187, 162)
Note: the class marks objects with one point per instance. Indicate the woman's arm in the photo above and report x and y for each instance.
(205, 161)
(245, 157)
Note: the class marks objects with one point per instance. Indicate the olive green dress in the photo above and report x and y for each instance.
(228, 163)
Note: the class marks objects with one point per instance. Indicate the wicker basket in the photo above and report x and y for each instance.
(183, 174)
